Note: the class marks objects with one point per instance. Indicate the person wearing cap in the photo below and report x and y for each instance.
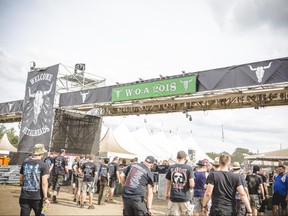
(280, 191)
(222, 187)
(216, 165)
(113, 168)
(201, 175)
(137, 182)
(59, 169)
(240, 207)
(34, 183)
(180, 179)
(255, 184)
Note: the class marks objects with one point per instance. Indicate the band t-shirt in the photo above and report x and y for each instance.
(89, 169)
(138, 176)
(179, 175)
(59, 165)
(33, 170)
(224, 191)
(113, 168)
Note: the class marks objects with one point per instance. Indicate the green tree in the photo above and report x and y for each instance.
(212, 155)
(239, 153)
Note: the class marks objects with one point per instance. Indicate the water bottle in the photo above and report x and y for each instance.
(44, 210)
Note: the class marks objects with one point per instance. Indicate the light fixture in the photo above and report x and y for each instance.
(79, 67)
(188, 116)
(32, 65)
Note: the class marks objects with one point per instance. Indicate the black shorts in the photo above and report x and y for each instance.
(134, 206)
(278, 199)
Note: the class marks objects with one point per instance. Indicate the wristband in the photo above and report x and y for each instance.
(45, 198)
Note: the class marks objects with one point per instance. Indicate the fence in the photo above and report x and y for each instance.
(9, 174)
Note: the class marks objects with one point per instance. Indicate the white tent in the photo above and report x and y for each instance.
(164, 143)
(199, 154)
(121, 141)
(145, 139)
(6, 145)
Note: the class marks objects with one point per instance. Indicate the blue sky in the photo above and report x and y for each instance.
(125, 40)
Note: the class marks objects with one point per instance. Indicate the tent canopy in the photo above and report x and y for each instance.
(6, 145)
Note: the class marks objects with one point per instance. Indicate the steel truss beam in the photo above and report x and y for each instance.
(194, 103)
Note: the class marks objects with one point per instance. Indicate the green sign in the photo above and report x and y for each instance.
(160, 88)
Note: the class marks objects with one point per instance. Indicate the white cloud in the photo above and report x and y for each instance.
(125, 40)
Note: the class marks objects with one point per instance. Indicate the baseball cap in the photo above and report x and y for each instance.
(150, 159)
(39, 149)
(181, 154)
(236, 165)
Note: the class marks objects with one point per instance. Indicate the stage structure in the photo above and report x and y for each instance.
(75, 132)
(257, 84)
(37, 112)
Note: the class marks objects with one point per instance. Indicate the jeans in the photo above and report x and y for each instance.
(27, 205)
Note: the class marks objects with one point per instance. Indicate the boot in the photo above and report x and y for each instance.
(54, 199)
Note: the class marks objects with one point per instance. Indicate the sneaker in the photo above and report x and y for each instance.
(74, 200)
(91, 207)
(81, 206)
(112, 201)
(54, 199)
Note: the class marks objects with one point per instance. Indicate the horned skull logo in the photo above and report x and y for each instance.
(260, 70)
(38, 101)
(185, 84)
(117, 92)
(84, 95)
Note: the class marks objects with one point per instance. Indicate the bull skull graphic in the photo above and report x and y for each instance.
(260, 71)
(117, 92)
(185, 84)
(84, 95)
(38, 101)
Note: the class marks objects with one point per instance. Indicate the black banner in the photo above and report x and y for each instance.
(88, 96)
(11, 107)
(37, 116)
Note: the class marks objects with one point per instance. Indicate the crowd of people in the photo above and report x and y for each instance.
(219, 188)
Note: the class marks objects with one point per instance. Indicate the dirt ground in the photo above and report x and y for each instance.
(9, 204)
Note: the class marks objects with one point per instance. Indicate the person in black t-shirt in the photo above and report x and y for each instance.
(180, 179)
(89, 170)
(114, 177)
(48, 160)
(255, 184)
(34, 183)
(59, 169)
(222, 187)
(137, 181)
(103, 180)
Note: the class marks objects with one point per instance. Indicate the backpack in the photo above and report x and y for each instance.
(252, 183)
(103, 173)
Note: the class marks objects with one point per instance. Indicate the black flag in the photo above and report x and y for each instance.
(37, 117)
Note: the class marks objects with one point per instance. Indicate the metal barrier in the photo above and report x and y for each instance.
(9, 174)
